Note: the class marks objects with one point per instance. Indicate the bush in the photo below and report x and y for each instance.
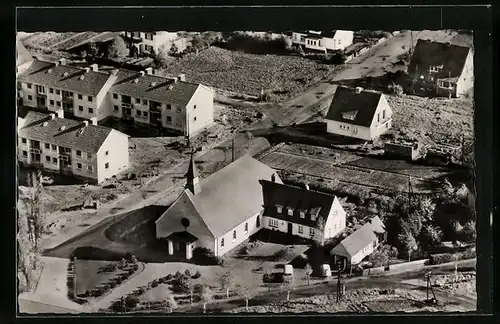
(196, 275)
(169, 277)
(178, 274)
(266, 278)
(187, 273)
(204, 256)
(131, 302)
(395, 89)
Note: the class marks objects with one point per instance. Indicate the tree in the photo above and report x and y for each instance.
(161, 59)
(93, 49)
(170, 303)
(409, 243)
(246, 293)
(309, 271)
(25, 247)
(34, 207)
(468, 233)
(226, 281)
(431, 235)
(117, 48)
(174, 50)
(206, 297)
(198, 43)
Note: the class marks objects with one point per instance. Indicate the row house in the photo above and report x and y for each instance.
(152, 42)
(164, 103)
(66, 146)
(301, 211)
(324, 41)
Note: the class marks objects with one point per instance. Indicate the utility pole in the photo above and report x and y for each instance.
(462, 147)
(232, 149)
(410, 194)
(429, 287)
(339, 284)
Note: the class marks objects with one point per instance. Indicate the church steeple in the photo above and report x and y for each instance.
(193, 178)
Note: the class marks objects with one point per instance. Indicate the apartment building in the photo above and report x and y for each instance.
(66, 146)
(152, 42)
(170, 103)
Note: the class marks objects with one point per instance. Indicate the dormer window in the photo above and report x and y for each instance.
(313, 217)
(290, 212)
(302, 214)
(349, 115)
(435, 68)
(279, 209)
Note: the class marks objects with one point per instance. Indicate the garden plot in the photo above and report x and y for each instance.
(250, 73)
(89, 274)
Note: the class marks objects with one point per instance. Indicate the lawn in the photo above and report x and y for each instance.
(88, 275)
(250, 73)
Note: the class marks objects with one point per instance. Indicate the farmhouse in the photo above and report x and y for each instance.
(152, 42)
(323, 41)
(162, 103)
(218, 212)
(302, 212)
(66, 146)
(361, 243)
(358, 113)
(441, 68)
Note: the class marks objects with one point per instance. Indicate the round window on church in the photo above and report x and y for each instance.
(185, 222)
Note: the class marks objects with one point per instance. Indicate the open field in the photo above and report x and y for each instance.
(346, 173)
(250, 73)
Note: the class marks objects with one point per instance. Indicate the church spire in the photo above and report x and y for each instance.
(193, 177)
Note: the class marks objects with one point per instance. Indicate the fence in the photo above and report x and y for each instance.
(412, 265)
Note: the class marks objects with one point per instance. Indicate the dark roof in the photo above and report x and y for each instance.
(48, 74)
(360, 106)
(427, 53)
(22, 54)
(153, 87)
(231, 195)
(90, 140)
(299, 199)
(359, 239)
(315, 36)
(185, 237)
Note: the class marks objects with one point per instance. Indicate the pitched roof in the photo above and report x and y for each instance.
(22, 54)
(231, 195)
(359, 239)
(353, 108)
(90, 140)
(427, 53)
(299, 199)
(153, 87)
(65, 77)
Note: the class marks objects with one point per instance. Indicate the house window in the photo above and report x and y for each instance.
(78, 153)
(47, 159)
(145, 114)
(169, 119)
(79, 165)
(80, 108)
(106, 166)
(107, 152)
(58, 104)
(246, 227)
(194, 119)
(234, 235)
(169, 107)
(91, 111)
(290, 212)
(28, 85)
(89, 156)
(222, 242)
(115, 96)
(25, 153)
(115, 108)
(144, 102)
(51, 90)
(80, 96)
(311, 231)
(179, 109)
(279, 209)
(383, 114)
(30, 97)
(137, 100)
(138, 112)
(301, 229)
(273, 222)
(54, 147)
(54, 160)
(23, 140)
(47, 146)
(58, 92)
(313, 217)
(51, 102)
(89, 168)
(302, 214)
(378, 117)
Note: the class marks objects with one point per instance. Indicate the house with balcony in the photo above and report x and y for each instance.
(218, 212)
(443, 69)
(81, 149)
(322, 41)
(54, 87)
(301, 212)
(163, 103)
(152, 42)
(358, 113)
(360, 244)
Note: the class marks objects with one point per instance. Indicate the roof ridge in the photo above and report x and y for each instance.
(303, 189)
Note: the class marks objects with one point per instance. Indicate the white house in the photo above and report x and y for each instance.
(324, 41)
(81, 149)
(360, 244)
(301, 212)
(358, 113)
(218, 212)
(152, 42)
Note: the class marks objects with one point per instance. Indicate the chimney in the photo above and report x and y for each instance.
(149, 71)
(85, 123)
(93, 121)
(358, 90)
(181, 77)
(273, 178)
(60, 113)
(307, 186)
(143, 73)
(62, 61)
(94, 67)
(52, 116)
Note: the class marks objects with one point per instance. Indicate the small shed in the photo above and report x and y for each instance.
(407, 150)
(325, 270)
(288, 269)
